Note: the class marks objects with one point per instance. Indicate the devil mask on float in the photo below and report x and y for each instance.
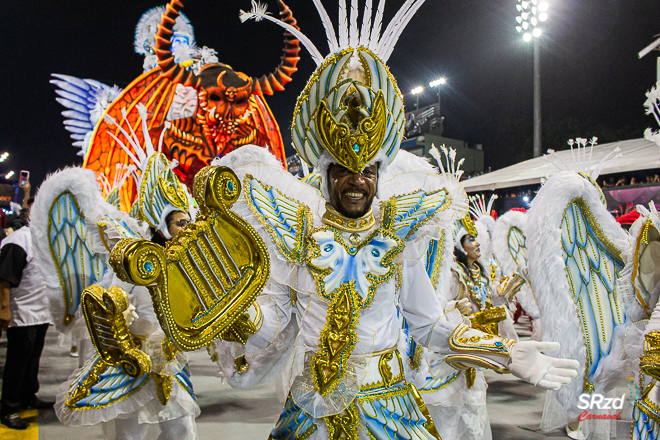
(229, 109)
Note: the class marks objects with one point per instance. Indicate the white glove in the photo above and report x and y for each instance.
(462, 306)
(529, 364)
(130, 315)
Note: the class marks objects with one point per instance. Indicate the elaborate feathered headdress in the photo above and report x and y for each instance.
(352, 108)
(160, 190)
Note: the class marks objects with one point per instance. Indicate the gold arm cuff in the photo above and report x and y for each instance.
(465, 362)
(470, 341)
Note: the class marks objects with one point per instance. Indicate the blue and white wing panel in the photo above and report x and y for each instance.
(405, 215)
(592, 266)
(76, 262)
(287, 221)
(63, 226)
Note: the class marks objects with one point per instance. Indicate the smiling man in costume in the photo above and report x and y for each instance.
(342, 267)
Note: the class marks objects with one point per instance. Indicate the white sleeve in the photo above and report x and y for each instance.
(276, 308)
(424, 311)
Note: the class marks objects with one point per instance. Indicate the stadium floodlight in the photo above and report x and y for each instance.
(438, 82)
(9, 174)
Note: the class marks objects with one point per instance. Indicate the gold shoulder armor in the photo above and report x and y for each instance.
(104, 315)
(209, 275)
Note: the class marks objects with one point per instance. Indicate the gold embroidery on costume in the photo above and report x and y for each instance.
(337, 339)
(84, 389)
(429, 425)
(163, 387)
(343, 426)
(470, 376)
(287, 221)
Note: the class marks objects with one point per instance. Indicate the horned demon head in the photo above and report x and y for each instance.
(231, 110)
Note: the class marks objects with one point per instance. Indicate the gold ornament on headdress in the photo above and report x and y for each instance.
(353, 150)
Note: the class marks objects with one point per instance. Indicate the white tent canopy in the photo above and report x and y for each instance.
(637, 154)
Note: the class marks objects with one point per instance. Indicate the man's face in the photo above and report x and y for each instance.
(351, 194)
(471, 247)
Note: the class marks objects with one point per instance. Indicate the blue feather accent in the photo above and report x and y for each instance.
(80, 96)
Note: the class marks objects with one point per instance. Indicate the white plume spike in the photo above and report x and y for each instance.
(134, 139)
(125, 148)
(547, 158)
(103, 181)
(399, 29)
(396, 26)
(148, 145)
(259, 13)
(435, 153)
(327, 25)
(354, 35)
(552, 152)
(343, 24)
(123, 172)
(110, 120)
(604, 162)
(375, 32)
(366, 24)
(389, 30)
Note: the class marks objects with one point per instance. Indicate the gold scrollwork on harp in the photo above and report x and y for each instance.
(104, 315)
(206, 278)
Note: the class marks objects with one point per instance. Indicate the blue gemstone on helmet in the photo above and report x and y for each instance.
(327, 248)
(148, 266)
(498, 344)
(356, 148)
(230, 185)
(375, 252)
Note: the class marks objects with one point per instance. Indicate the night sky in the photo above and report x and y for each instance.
(593, 84)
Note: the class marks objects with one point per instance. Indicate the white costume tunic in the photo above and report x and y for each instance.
(344, 290)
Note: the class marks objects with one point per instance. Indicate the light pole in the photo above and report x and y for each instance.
(532, 14)
(435, 84)
(416, 91)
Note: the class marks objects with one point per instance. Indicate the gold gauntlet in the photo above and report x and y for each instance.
(474, 348)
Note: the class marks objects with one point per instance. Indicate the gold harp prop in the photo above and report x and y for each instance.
(206, 278)
(104, 315)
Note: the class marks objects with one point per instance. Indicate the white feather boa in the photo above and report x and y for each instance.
(83, 185)
(561, 322)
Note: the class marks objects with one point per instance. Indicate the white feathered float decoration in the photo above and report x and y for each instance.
(575, 250)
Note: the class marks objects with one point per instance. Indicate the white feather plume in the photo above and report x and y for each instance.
(366, 24)
(354, 36)
(327, 24)
(350, 35)
(378, 21)
(343, 24)
(259, 13)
